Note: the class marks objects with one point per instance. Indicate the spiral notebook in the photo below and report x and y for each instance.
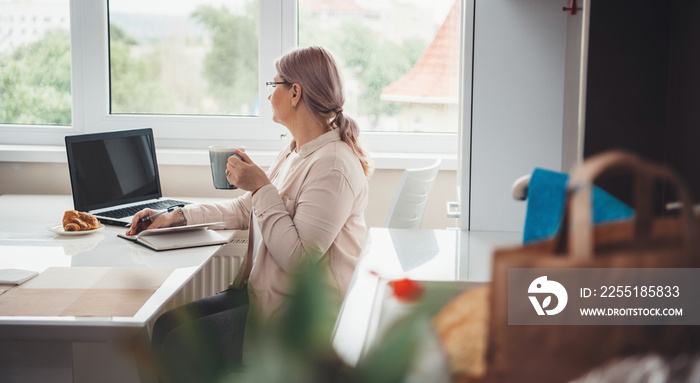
(179, 237)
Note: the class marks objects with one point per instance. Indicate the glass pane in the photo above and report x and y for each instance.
(400, 59)
(198, 57)
(35, 62)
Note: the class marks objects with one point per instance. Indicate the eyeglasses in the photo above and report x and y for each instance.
(271, 85)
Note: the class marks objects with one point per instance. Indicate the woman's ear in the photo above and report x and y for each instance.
(296, 92)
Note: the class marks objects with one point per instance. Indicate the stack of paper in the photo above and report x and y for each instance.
(16, 276)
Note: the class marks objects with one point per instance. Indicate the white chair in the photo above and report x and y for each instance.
(406, 210)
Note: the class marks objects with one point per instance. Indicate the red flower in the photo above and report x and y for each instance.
(406, 290)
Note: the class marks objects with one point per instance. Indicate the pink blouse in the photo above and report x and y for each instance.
(317, 215)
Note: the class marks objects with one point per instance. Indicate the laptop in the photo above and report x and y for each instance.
(114, 175)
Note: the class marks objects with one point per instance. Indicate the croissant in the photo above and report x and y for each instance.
(74, 220)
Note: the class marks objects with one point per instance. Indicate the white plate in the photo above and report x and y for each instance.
(58, 229)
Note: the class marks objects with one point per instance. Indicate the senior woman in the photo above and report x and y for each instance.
(309, 207)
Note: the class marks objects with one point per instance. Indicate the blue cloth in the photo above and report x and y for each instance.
(546, 195)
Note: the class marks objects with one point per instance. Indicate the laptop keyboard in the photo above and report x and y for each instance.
(128, 211)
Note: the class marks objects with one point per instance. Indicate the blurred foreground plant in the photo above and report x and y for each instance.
(296, 347)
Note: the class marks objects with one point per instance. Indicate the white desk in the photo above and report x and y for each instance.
(440, 255)
(89, 349)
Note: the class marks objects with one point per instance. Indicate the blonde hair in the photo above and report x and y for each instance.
(314, 68)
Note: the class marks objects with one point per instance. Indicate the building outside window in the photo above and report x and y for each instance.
(400, 59)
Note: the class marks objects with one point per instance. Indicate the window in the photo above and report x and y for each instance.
(400, 59)
(194, 71)
(198, 58)
(35, 74)
(196, 64)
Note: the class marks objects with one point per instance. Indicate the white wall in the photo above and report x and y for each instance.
(195, 181)
(517, 103)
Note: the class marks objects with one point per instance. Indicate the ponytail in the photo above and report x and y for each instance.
(350, 134)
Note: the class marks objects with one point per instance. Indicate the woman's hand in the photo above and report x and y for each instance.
(244, 173)
(163, 220)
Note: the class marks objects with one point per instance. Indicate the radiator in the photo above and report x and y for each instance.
(215, 275)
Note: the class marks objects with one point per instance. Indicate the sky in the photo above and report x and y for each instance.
(172, 7)
(168, 7)
(185, 7)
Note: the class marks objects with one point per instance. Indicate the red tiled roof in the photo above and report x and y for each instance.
(434, 79)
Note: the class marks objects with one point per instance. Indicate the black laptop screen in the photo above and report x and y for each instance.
(108, 169)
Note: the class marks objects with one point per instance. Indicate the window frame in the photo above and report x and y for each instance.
(277, 34)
